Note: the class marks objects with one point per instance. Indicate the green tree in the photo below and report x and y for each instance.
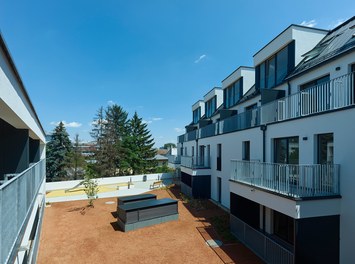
(58, 154)
(140, 142)
(169, 145)
(78, 163)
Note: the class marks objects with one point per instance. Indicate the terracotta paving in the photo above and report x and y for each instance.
(74, 233)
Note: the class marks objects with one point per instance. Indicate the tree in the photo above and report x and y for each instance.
(140, 141)
(77, 159)
(169, 145)
(58, 154)
(110, 130)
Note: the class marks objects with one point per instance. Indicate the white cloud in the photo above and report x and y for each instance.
(203, 56)
(310, 23)
(110, 102)
(95, 122)
(336, 23)
(70, 124)
(178, 130)
(147, 121)
(157, 118)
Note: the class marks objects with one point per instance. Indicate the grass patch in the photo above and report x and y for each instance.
(221, 225)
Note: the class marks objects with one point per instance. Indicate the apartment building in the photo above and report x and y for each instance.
(279, 149)
(22, 167)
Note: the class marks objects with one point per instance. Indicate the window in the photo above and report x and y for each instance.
(233, 93)
(219, 157)
(316, 82)
(286, 150)
(251, 107)
(325, 149)
(281, 61)
(246, 150)
(284, 227)
(196, 115)
(192, 151)
(211, 106)
(272, 71)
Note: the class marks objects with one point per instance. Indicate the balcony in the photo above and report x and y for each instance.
(17, 197)
(195, 162)
(262, 245)
(174, 159)
(334, 94)
(294, 181)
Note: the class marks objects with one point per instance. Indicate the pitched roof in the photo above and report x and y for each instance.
(338, 41)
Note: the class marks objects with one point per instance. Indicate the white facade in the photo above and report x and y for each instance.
(246, 145)
(22, 173)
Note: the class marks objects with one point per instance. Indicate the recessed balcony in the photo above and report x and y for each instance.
(195, 162)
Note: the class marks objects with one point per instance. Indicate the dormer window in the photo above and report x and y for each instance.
(272, 71)
(233, 93)
(196, 115)
(211, 106)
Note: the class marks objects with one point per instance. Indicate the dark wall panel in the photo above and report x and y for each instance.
(34, 150)
(317, 240)
(186, 178)
(14, 149)
(201, 187)
(246, 210)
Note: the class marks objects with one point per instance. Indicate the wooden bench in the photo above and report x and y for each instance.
(156, 184)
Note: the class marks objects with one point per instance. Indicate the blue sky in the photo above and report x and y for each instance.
(155, 57)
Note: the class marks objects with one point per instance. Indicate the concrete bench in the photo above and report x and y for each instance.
(146, 213)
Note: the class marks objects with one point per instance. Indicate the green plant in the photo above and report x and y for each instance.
(91, 189)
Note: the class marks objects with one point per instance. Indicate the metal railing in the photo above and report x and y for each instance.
(17, 197)
(297, 181)
(266, 248)
(195, 162)
(334, 94)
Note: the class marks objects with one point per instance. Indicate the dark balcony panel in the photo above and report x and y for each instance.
(34, 150)
(209, 131)
(186, 178)
(14, 152)
(191, 135)
(246, 210)
(225, 113)
(190, 128)
(181, 138)
(204, 122)
(317, 240)
(268, 95)
(201, 187)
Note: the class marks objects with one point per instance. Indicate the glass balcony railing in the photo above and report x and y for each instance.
(195, 162)
(293, 180)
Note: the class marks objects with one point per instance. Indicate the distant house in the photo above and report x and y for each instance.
(161, 160)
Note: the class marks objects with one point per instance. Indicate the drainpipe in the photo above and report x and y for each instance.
(264, 128)
(288, 87)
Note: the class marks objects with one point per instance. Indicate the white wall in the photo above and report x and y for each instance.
(50, 186)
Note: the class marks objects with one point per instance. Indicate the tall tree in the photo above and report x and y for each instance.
(58, 154)
(77, 159)
(169, 145)
(141, 155)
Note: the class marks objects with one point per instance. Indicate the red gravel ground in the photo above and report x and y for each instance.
(74, 233)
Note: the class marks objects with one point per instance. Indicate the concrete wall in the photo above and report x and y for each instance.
(50, 186)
